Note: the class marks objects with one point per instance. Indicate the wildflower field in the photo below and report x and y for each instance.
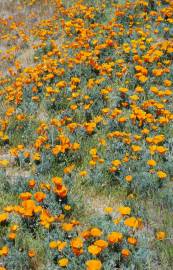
(86, 134)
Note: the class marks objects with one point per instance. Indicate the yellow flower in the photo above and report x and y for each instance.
(101, 243)
(4, 162)
(102, 141)
(57, 181)
(85, 234)
(63, 262)
(77, 243)
(108, 210)
(117, 220)
(25, 196)
(3, 217)
(93, 264)
(161, 174)
(67, 207)
(37, 157)
(53, 244)
(61, 245)
(160, 235)
(94, 250)
(92, 162)
(4, 251)
(67, 227)
(167, 83)
(116, 163)
(95, 232)
(93, 151)
(161, 149)
(124, 210)
(83, 173)
(123, 90)
(69, 169)
(151, 162)
(132, 222)
(115, 237)
(136, 148)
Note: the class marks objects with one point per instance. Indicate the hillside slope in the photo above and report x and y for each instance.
(86, 135)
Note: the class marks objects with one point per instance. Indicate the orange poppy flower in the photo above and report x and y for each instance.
(31, 253)
(63, 262)
(115, 237)
(125, 252)
(95, 232)
(160, 235)
(94, 250)
(93, 265)
(39, 196)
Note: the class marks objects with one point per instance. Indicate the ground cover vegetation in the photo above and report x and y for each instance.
(86, 135)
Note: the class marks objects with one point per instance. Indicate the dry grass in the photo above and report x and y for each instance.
(26, 15)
